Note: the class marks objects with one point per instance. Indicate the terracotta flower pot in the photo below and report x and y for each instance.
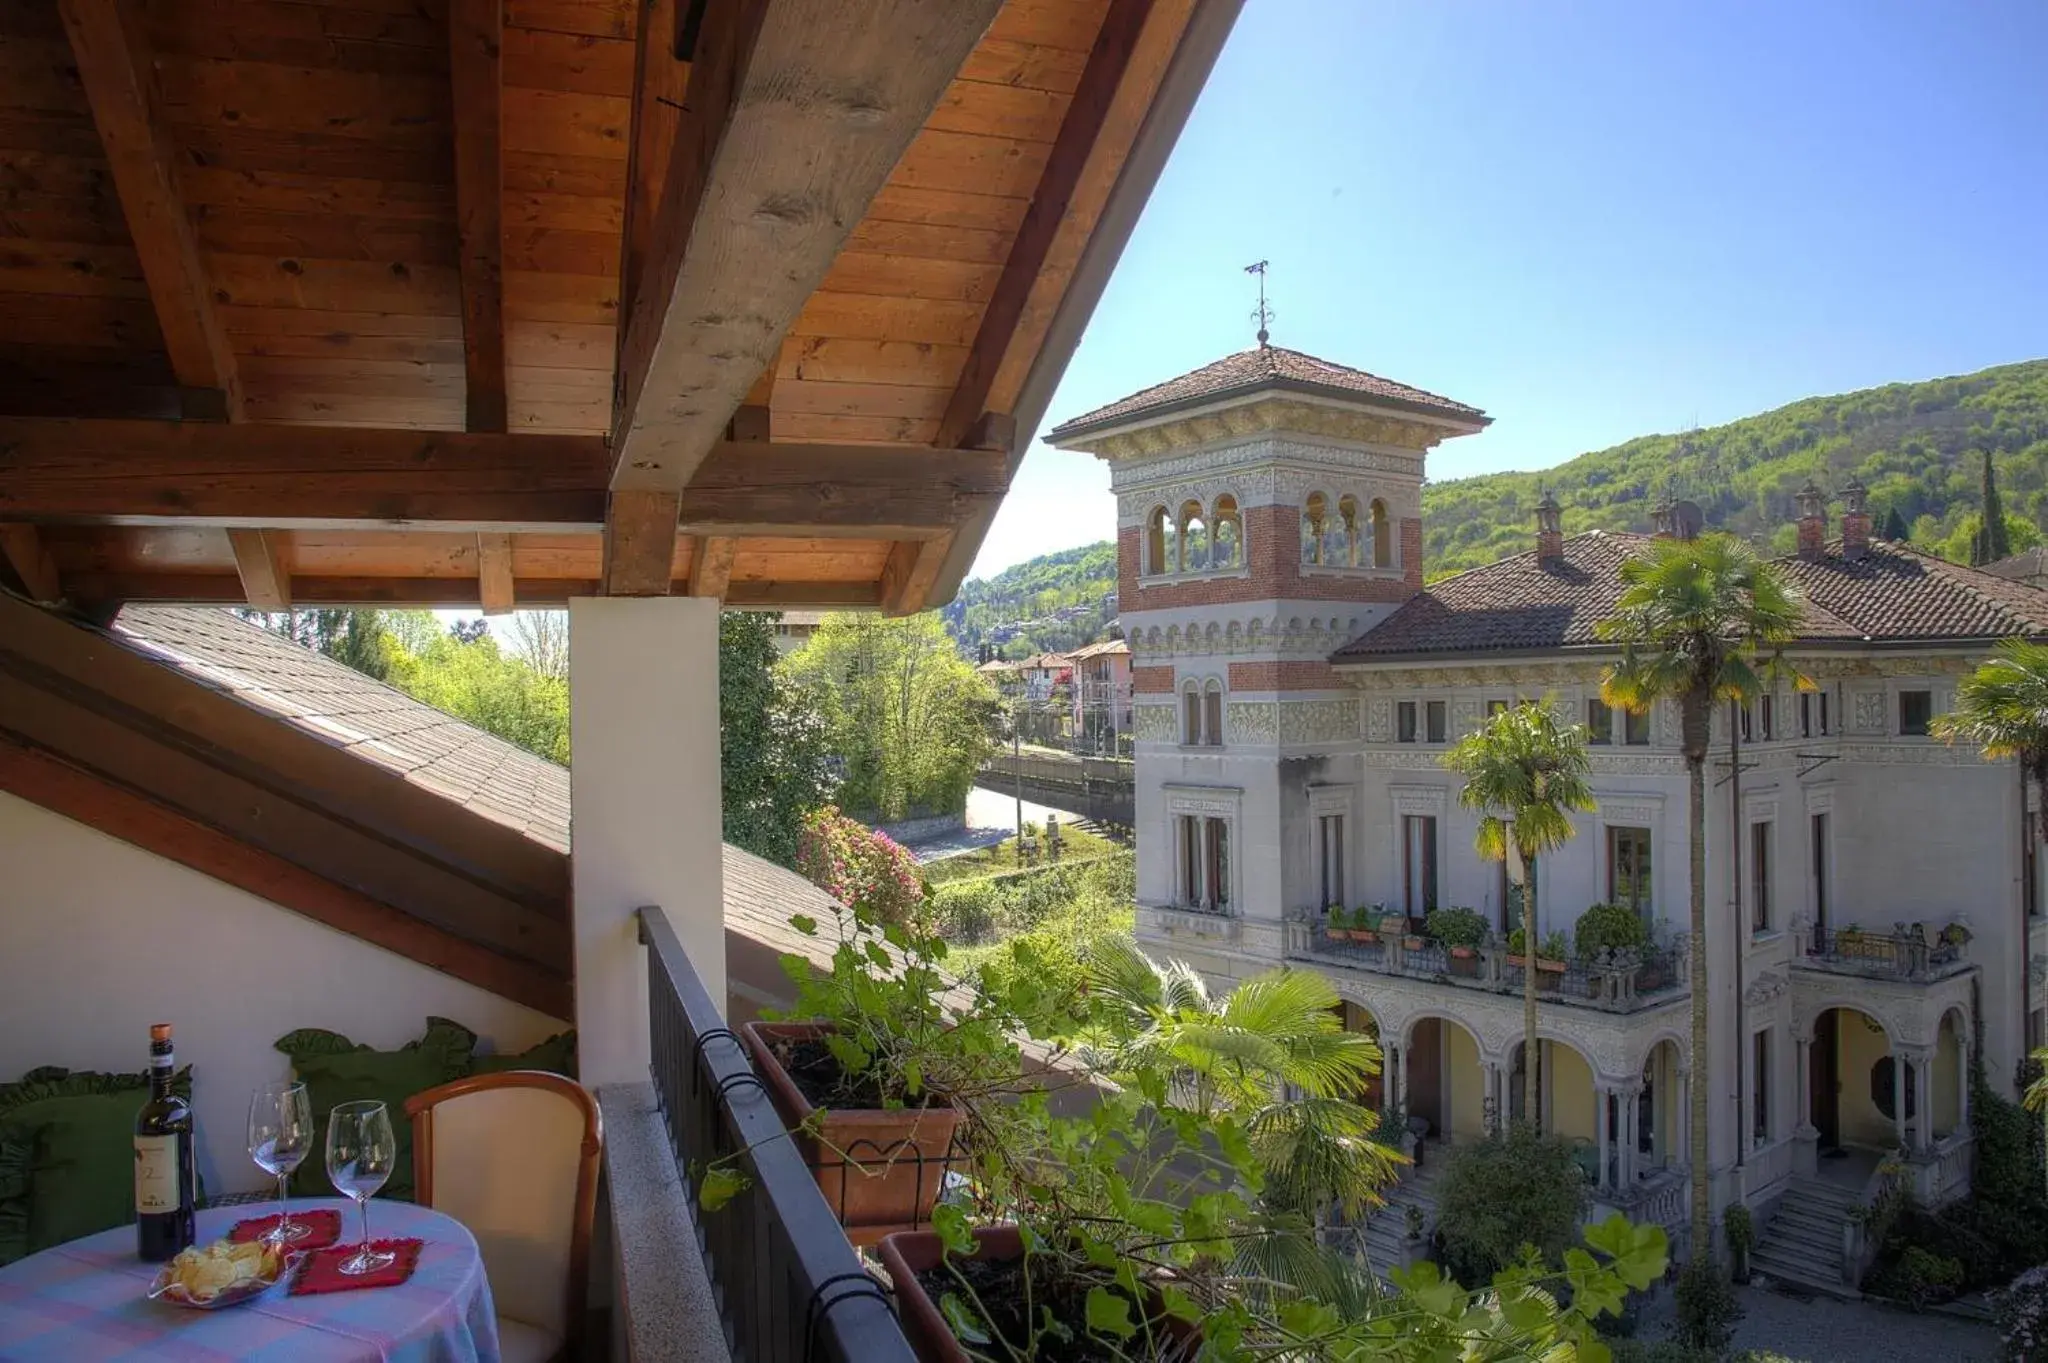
(1465, 961)
(1336, 934)
(880, 1169)
(1394, 924)
(906, 1254)
(1364, 935)
(1412, 942)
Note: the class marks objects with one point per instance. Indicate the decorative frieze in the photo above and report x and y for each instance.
(1419, 799)
(1346, 423)
(1155, 723)
(1314, 636)
(1318, 721)
(1635, 810)
(1531, 678)
(1251, 721)
(1379, 723)
(1222, 801)
(1867, 711)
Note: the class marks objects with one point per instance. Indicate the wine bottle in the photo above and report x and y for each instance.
(166, 1190)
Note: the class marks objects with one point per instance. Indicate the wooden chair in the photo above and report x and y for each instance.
(513, 1156)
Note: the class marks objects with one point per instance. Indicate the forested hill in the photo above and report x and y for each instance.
(1918, 447)
(1048, 604)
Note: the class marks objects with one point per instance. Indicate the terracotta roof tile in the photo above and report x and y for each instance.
(1895, 592)
(1263, 367)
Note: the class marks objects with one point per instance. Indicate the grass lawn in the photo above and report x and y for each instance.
(1001, 857)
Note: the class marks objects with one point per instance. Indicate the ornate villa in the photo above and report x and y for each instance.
(1296, 687)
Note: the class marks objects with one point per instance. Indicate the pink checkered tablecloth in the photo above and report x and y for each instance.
(84, 1303)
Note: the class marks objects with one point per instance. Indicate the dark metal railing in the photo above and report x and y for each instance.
(1615, 981)
(789, 1286)
(1908, 952)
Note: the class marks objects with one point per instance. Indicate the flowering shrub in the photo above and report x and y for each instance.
(859, 867)
(2023, 1316)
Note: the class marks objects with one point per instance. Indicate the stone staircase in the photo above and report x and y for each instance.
(1802, 1242)
(1386, 1241)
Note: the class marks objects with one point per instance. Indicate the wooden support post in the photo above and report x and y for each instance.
(711, 569)
(266, 584)
(494, 572)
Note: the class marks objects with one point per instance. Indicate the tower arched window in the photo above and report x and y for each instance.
(1347, 532)
(1191, 714)
(1212, 713)
(1315, 522)
(1382, 536)
(1194, 538)
(1227, 534)
(1158, 541)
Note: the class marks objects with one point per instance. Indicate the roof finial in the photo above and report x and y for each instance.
(1264, 316)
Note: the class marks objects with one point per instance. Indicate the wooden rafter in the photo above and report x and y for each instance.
(660, 83)
(475, 36)
(31, 562)
(495, 589)
(114, 67)
(914, 565)
(93, 588)
(266, 584)
(758, 174)
(309, 477)
(711, 569)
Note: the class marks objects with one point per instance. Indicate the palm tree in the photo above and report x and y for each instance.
(1698, 621)
(1272, 1052)
(2002, 708)
(1527, 775)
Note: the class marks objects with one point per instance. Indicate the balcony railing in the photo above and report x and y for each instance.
(789, 1286)
(1614, 982)
(1905, 953)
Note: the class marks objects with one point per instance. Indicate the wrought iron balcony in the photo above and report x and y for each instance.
(1622, 981)
(1908, 952)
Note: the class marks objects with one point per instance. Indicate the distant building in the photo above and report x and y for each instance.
(2030, 567)
(795, 629)
(1876, 891)
(1102, 694)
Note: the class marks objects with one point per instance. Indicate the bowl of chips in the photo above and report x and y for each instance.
(208, 1277)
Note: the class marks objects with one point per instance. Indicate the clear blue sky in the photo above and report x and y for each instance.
(1594, 220)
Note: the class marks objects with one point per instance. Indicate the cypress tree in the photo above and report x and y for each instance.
(1895, 526)
(1991, 544)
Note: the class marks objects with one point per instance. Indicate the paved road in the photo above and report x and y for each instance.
(1827, 1331)
(991, 817)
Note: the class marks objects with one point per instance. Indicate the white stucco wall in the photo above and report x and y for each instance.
(99, 939)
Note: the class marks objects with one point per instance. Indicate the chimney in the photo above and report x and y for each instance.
(1855, 520)
(1813, 521)
(1549, 531)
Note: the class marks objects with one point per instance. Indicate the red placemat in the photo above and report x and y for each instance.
(325, 1225)
(320, 1271)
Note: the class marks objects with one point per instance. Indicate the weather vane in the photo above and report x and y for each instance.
(1264, 316)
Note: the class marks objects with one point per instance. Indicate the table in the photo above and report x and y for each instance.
(83, 1303)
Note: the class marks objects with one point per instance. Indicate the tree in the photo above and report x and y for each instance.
(908, 716)
(542, 639)
(1698, 621)
(353, 637)
(1895, 527)
(1517, 1187)
(464, 674)
(1992, 542)
(772, 742)
(1526, 775)
(1242, 1054)
(2002, 709)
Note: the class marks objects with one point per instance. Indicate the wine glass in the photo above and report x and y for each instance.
(280, 1138)
(360, 1153)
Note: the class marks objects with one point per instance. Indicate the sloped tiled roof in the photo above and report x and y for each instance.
(2028, 563)
(1518, 605)
(372, 721)
(1262, 367)
(1107, 646)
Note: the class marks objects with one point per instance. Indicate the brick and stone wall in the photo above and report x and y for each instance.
(1273, 561)
(1299, 675)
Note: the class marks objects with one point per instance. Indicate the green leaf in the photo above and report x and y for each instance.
(804, 924)
(949, 1223)
(878, 955)
(961, 1320)
(1109, 1314)
(721, 1184)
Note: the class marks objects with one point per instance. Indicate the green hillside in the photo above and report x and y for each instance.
(1918, 447)
(1051, 603)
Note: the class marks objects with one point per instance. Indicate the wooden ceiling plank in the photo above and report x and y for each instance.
(760, 194)
(1093, 99)
(660, 82)
(475, 43)
(31, 561)
(447, 592)
(114, 66)
(494, 586)
(266, 583)
(711, 570)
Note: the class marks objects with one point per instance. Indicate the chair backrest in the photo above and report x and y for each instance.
(514, 1156)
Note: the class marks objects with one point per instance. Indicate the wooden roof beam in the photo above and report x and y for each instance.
(534, 593)
(797, 111)
(914, 565)
(23, 548)
(266, 583)
(475, 32)
(114, 67)
(328, 477)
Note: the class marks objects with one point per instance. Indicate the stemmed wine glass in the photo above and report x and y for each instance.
(360, 1153)
(280, 1138)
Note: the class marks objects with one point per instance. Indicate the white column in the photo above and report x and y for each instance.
(1395, 1076)
(1629, 1113)
(1490, 1074)
(1681, 1116)
(1962, 1085)
(1802, 1074)
(644, 813)
(1923, 1101)
(1902, 1129)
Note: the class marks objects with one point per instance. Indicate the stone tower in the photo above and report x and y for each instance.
(1269, 510)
